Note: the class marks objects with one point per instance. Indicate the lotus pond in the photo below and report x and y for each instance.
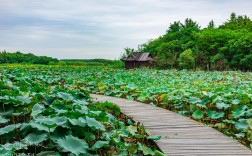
(46, 99)
(47, 111)
(222, 100)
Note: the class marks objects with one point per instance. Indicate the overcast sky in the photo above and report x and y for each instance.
(87, 29)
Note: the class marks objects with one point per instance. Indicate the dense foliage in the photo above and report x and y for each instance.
(47, 111)
(18, 57)
(222, 100)
(228, 46)
(93, 62)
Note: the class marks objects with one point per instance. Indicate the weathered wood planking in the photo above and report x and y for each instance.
(179, 135)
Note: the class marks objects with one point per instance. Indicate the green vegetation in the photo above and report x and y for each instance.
(222, 100)
(46, 110)
(93, 62)
(18, 57)
(226, 47)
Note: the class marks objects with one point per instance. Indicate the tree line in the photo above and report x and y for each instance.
(18, 57)
(187, 46)
(93, 62)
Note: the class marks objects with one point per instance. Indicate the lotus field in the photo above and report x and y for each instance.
(47, 111)
(222, 100)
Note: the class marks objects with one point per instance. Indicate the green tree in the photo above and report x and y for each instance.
(174, 27)
(211, 25)
(237, 23)
(127, 51)
(186, 59)
(18, 57)
(214, 48)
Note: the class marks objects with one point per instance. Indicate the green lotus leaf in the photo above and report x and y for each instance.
(235, 101)
(217, 115)
(241, 125)
(229, 121)
(115, 107)
(59, 108)
(89, 136)
(34, 139)
(132, 129)
(240, 135)
(23, 99)
(222, 105)
(249, 113)
(239, 112)
(198, 114)
(14, 146)
(145, 150)
(3, 85)
(65, 96)
(158, 153)
(194, 100)
(152, 137)
(9, 128)
(47, 121)
(96, 113)
(249, 122)
(92, 122)
(209, 113)
(81, 102)
(37, 109)
(143, 97)
(130, 122)
(99, 144)
(3, 120)
(83, 110)
(59, 120)
(77, 122)
(40, 127)
(48, 153)
(73, 144)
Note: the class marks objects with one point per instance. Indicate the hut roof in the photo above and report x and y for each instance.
(138, 56)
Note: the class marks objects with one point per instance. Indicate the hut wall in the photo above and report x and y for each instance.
(136, 64)
(142, 64)
(129, 64)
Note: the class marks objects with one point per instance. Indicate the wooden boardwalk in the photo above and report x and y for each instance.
(179, 135)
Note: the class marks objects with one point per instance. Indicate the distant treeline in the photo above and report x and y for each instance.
(93, 62)
(18, 57)
(187, 46)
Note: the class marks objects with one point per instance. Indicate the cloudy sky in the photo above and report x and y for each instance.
(87, 29)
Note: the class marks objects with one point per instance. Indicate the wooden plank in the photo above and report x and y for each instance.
(179, 135)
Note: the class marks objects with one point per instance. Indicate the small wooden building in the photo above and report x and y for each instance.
(138, 59)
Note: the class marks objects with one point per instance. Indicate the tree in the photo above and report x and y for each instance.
(174, 27)
(189, 23)
(186, 60)
(127, 51)
(232, 17)
(168, 54)
(213, 48)
(151, 46)
(18, 57)
(237, 23)
(211, 24)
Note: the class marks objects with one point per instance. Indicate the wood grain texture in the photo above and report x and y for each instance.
(179, 135)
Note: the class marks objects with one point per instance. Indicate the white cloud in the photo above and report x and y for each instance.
(95, 28)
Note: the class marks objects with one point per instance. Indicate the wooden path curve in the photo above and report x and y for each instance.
(179, 135)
